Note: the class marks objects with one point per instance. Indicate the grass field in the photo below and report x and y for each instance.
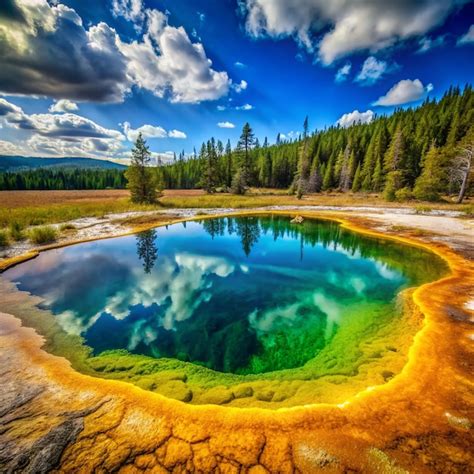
(27, 208)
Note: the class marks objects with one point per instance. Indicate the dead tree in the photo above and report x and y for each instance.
(461, 168)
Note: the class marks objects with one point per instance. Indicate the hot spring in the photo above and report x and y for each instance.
(246, 310)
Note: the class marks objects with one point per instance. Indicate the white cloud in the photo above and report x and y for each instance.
(51, 53)
(240, 65)
(372, 70)
(241, 86)
(176, 134)
(343, 72)
(147, 131)
(63, 105)
(404, 92)
(468, 37)
(54, 125)
(221, 108)
(167, 62)
(150, 131)
(244, 107)
(355, 117)
(426, 43)
(226, 125)
(353, 26)
(131, 10)
(9, 148)
(64, 134)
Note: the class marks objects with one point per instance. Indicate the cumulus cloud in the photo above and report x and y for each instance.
(167, 62)
(244, 107)
(348, 26)
(226, 125)
(372, 70)
(468, 37)
(64, 134)
(131, 10)
(54, 125)
(241, 86)
(149, 131)
(343, 72)
(9, 148)
(404, 92)
(355, 117)
(39, 145)
(176, 134)
(7, 108)
(51, 53)
(64, 105)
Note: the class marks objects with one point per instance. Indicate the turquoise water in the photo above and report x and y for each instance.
(240, 295)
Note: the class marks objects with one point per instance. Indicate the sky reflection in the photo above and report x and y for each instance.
(220, 292)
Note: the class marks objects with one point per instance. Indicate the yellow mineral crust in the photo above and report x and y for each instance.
(53, 418)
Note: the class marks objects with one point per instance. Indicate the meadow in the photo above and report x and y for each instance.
(29, 208)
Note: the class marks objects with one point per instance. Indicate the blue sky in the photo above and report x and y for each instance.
(81, 78)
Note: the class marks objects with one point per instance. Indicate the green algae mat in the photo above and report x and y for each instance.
(245, 311)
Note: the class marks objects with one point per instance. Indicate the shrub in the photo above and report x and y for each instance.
(422, 209)
(239, 185)
(16, 231)
(43, 235)
(4, 238)
(403, 194)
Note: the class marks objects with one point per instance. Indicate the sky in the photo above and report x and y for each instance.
(84, 78)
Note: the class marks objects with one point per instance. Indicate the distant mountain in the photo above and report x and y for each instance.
(18, 163)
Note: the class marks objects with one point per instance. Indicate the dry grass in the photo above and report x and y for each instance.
(268, 197)
(26, 208)
(14, 199)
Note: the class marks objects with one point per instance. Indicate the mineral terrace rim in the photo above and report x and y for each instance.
(459, 269)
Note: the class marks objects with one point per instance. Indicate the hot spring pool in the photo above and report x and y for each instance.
(232, 300)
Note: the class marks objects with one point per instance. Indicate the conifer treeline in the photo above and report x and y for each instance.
(422, 153)
(63, 178)
(413, 152)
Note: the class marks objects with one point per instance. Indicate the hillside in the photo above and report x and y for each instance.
(17, 163)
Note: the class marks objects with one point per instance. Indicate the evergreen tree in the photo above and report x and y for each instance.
(302, 174)
(210, 176)
(228, 164)
(328, 180)
(315, 180)
(245, 170)
(357, 183)
(141, 180)
(146, 249)
(430, 183)
(392, 152)
(394, 161)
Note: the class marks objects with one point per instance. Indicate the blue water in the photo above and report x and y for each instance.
(244, 295)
